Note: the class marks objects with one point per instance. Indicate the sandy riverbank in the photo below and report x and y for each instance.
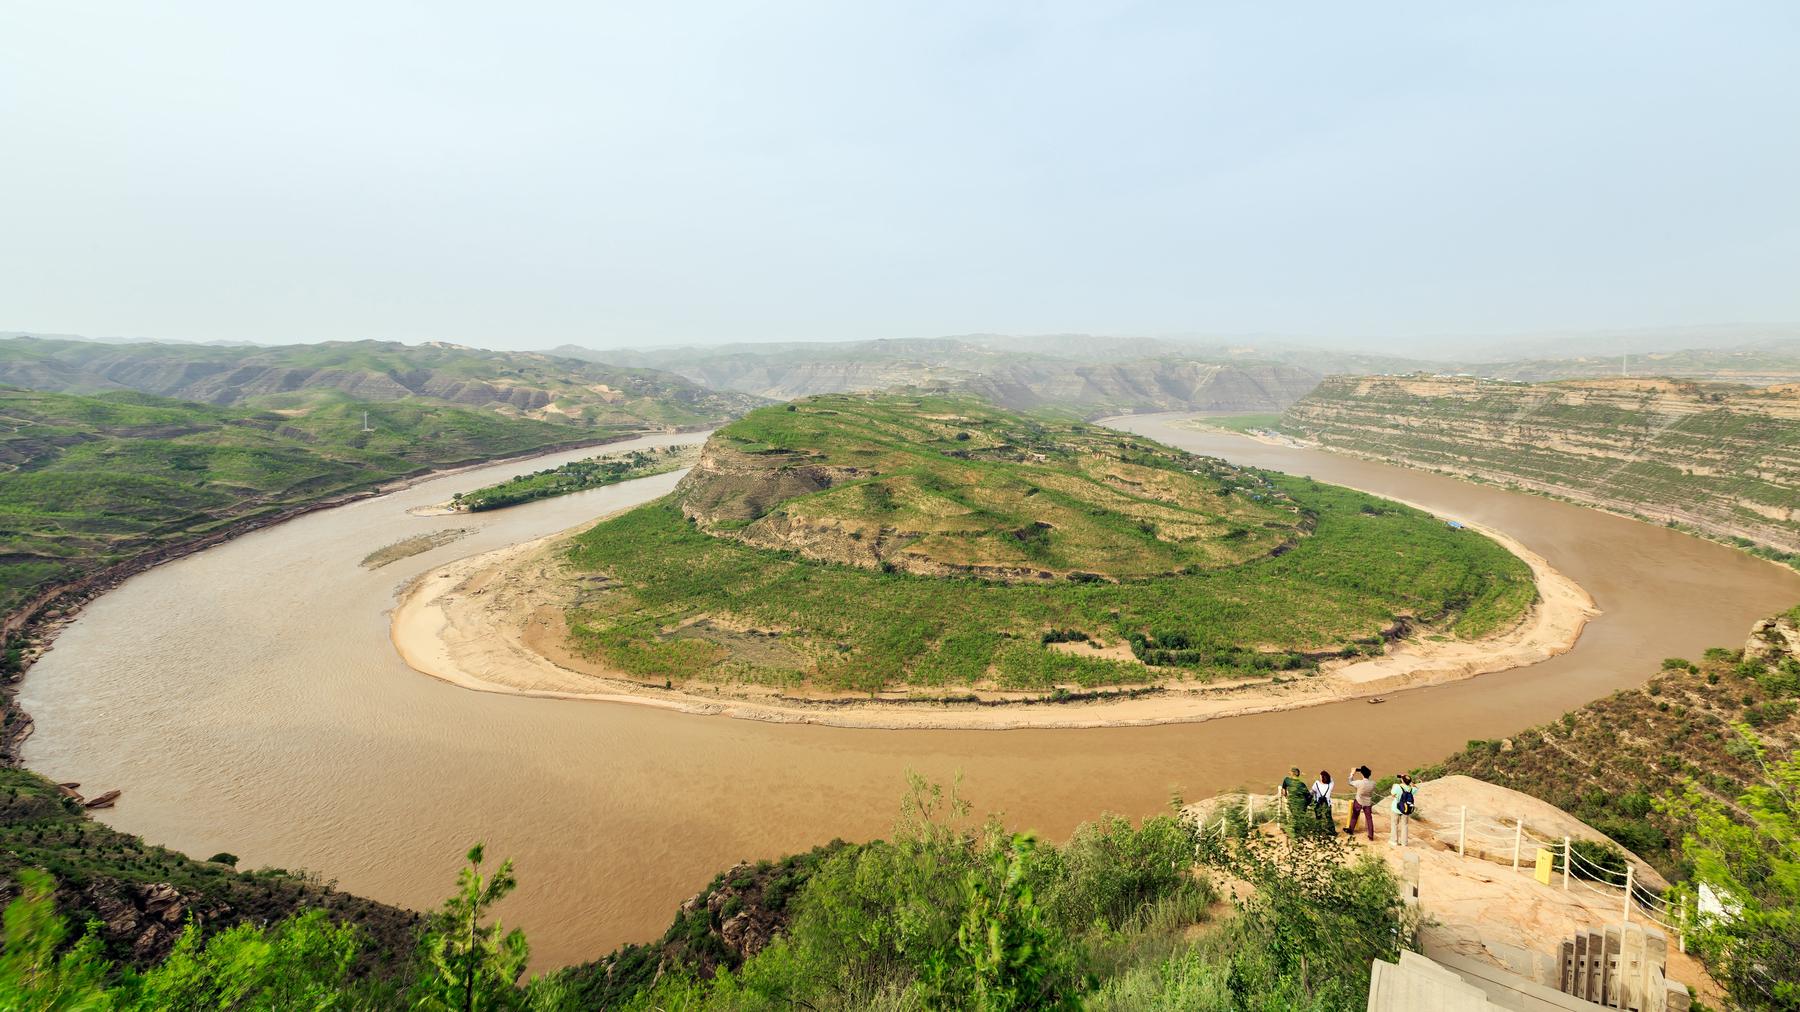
(494, 623)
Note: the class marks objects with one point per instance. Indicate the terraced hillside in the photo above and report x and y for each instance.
(854, 543)
(514, 384)
(1720, 459)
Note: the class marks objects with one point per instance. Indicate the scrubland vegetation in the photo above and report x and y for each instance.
(1611, 761)
(948, 914)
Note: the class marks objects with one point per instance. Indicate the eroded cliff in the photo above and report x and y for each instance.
(1719, 458)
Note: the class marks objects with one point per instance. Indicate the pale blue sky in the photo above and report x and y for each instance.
(520, 175)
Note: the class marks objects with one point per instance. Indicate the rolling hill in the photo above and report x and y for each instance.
(862, 543)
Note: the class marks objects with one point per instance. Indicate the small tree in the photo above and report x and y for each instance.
(471, 966)
(1006, 955)
(32, 973)
(1305, 936)
(1753, 946)
(302, 962)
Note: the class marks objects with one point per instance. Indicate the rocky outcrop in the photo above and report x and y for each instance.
(728, 485)
(744, 924)
(732, 919)
(146, 919)
(1775, 639)
(1719, 458)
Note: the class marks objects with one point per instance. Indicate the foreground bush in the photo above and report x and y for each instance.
(950, 913)
(1752, 868)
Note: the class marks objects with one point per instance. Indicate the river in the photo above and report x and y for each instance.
(248, 699)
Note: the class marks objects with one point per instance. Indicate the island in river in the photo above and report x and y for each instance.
(927, 561)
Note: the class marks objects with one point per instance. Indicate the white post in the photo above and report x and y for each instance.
(1462, 830)
(1681, 926)
(1567, 855)
(1630, 869)
(1250, 809)
(1518, 839)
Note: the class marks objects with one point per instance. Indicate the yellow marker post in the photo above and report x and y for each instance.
(1544, 860)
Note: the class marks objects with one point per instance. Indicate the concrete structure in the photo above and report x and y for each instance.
(1456, 984)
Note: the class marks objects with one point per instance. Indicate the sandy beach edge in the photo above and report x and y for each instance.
(469, 623)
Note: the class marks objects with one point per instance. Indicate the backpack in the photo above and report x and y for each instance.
(1405, 804)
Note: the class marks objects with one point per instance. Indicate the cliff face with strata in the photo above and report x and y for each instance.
(1721, 458)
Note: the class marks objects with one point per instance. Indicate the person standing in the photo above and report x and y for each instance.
(1406, 797)
(1293, 791)
(1362, 804)
(1318, 797)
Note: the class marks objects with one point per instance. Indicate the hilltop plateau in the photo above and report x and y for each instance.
(946, 487)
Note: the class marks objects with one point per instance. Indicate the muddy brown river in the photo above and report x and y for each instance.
(248, 699)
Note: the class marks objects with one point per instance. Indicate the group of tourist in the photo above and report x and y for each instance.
(1310, 806)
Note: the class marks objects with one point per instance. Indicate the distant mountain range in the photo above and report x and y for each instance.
(1078, 372)
(677, 386)
(300, 376)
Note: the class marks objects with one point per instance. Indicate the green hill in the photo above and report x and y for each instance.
(94, 481)
(864, 543)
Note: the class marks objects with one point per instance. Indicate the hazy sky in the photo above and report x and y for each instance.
(520, 175)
